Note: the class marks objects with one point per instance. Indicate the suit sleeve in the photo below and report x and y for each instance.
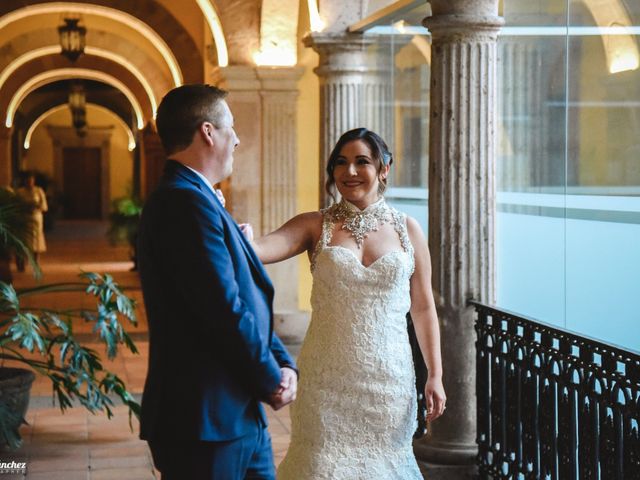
(191, 241)
(282, 355)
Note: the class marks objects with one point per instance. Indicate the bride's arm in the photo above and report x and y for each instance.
(291, 239)
(425, 320)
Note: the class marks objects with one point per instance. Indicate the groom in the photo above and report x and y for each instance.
(213, 355)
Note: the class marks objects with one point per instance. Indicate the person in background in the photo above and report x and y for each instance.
(35, 196)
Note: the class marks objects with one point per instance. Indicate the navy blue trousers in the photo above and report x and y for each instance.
(246, 458)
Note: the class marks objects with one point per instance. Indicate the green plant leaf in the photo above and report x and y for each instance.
(16, 228)
(76, 371)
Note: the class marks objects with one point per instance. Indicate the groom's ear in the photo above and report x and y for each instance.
(206, 130)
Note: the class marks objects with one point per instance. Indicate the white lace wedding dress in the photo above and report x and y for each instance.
(356, 409)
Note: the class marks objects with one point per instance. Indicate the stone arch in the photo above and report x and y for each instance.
(42, 103)
(156, 78)
(621, 51)
(241, 22)
(151, 13)
(278, 33)
(145, 95)
(86, 62)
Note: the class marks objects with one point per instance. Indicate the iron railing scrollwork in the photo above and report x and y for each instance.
(553, 404)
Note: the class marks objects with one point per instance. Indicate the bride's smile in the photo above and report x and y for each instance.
(357, 173)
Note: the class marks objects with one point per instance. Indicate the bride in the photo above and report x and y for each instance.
(356, 410)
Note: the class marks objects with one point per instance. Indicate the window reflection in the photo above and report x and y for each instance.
(568, 156)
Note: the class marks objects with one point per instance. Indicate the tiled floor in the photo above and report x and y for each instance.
(77, 444)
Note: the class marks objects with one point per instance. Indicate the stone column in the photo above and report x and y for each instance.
(461, 213)
(5, 156)
(355, 89)
(278, 94)
(152, 159)
(263, 184)
(246, 105)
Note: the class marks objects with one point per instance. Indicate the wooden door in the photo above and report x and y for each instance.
(82, 183)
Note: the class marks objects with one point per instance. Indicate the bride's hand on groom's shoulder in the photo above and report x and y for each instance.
(286, 392)
(247, 231)
(436, 398)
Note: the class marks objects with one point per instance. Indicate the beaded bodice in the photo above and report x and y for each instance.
(360, 223)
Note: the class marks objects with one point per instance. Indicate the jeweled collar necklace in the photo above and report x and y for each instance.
(361, 222)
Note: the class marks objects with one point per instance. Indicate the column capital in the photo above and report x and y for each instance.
(236, 77)
(253, 78)
(278, 79)
(340, 53)
(448, 25)
(323, 42)
(453, 7)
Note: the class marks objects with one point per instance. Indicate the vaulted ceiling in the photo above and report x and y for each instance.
(135, 52)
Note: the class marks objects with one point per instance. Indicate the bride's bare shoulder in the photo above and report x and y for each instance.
(311, 221)
(309, 226)
(311, 216)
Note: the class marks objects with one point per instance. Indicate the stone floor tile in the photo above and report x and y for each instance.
(117, 451)
(12, 476)
(57, 464)
(61, 475)
(53, 450)
(123, 474)
(62, 439)
(280, 446)
(119, 462)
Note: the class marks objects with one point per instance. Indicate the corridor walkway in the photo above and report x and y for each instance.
(78, 445)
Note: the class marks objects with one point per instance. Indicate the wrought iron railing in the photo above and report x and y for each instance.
(553, 404)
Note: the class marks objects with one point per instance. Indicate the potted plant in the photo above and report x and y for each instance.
(124, 218)
(43, 339)
(16, 229)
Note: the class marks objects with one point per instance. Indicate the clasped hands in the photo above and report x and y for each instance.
(286, 391)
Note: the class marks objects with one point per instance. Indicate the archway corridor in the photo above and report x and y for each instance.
(77, 444)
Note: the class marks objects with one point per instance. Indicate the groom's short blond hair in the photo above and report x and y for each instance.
(183, 110)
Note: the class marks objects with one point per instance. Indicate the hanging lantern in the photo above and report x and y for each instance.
(77, 104)
(77, 96)
(79, 118)
(72, 38)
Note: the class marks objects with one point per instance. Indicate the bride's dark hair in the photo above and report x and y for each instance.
(379, 150)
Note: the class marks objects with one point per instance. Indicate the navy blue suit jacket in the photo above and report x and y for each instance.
(213, 354)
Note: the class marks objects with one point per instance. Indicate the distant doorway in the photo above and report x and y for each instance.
(82, 183)
(77, 175)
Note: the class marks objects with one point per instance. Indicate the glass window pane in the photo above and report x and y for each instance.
(531, 162)
(408, 68)
(603, 171)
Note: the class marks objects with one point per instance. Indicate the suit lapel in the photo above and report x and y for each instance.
(248, 249)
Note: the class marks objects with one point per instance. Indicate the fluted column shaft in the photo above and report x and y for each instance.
(461, 210)
(263, 184)
(279, 152)
(355, 90)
